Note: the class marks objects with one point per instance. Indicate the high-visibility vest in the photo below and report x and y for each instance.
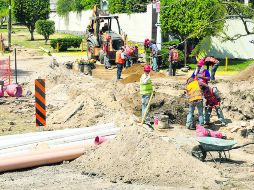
(119, 60)
(146, 88)
(194, 91)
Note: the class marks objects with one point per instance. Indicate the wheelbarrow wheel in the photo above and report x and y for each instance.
(199, 152)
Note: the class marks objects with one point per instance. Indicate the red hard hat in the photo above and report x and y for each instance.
(146, 42)
(201, 62)
(147, 68)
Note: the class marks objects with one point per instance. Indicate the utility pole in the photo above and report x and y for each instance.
(9, 26)
(158, 25)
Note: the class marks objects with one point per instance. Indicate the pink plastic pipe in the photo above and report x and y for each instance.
(99, 140)
(41, 158)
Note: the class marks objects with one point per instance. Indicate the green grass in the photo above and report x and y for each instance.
(21, 37)
(233, 65)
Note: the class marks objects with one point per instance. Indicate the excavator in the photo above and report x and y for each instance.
(102, 41)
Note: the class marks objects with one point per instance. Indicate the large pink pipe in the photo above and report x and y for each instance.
(41, 158)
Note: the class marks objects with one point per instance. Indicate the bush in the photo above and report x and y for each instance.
(170, 43)
(45, 28)
(65, 43)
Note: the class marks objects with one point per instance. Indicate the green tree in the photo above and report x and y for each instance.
(77, 6)
(66, 6)
(63, 7)
(137, 6)
(45, 28)
(117, 6)
(190, 19)
(27, 12)
(89, 4)
(128, 6)
(3, 11)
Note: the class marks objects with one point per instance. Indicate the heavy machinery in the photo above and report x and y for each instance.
(102, 41)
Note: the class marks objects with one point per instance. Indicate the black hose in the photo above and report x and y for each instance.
(237, 147)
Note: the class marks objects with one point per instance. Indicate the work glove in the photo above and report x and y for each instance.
(199, 76)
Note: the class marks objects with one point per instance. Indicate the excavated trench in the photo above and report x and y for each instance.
(175, 108)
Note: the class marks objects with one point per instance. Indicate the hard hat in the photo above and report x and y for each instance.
(146, 42)
(147, 68)
(201, 62)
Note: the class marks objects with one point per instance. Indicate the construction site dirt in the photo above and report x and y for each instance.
(137, 158)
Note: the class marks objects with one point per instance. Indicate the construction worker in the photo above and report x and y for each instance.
(120, 61)
(104, 28)
(201, 73)
(146, 90)
(154, 54)
(135, 54)
(213, 101)
(211, 61)
(195, 98)
(107, 63)
(128, 56)
(173, 60)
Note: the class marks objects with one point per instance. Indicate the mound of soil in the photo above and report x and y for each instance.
(136, 68)
(131, 78)
(238, 99)
(246, 74)
(139, 69)
(136, 156)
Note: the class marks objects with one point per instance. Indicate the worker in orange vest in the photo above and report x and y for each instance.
(120, 60)
(173, 60)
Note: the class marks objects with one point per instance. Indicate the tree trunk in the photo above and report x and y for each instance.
(185, 52)
(32, 35)
(31, 30)
(46, 39)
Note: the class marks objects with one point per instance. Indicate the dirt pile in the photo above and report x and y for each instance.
(75, 100)
(135, 73)
(131, 78)
(247, 74)
(143, 158)
(238, 99)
